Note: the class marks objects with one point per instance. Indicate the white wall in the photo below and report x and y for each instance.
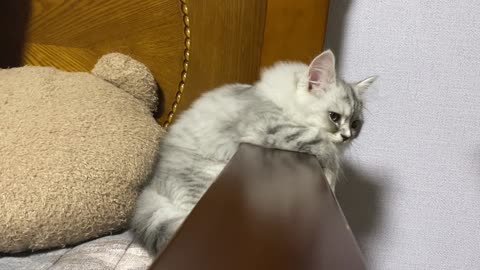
(413, 195)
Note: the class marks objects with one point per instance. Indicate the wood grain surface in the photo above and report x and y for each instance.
(228, 40)
(294, 30)
(71, 35)
(225, 40)
(226, 44)
(268, 209)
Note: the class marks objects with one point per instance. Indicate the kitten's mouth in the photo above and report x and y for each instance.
(340, 141)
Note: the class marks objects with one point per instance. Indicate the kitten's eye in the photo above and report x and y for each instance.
(335, 117)
(356, 124)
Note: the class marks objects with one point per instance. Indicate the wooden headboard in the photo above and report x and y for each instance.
(190, 45)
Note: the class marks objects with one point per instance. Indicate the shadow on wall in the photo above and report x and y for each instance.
(360, 199)
(337, 14)
(358, 195)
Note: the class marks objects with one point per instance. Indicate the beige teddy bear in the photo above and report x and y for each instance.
(75, 148)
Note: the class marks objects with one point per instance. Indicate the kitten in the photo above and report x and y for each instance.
(293, 107)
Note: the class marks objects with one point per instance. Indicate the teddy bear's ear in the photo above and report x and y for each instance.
(129, 75)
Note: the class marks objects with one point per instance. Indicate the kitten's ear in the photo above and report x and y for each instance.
(321, 71)
(363, 85)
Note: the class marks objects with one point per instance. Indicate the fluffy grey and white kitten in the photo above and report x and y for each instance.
(292, 107)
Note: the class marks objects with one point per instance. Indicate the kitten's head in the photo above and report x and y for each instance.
(330, 103)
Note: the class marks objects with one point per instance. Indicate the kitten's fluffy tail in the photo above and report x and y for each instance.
(156, 219)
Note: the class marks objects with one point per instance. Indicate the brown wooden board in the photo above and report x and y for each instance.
(268, 209)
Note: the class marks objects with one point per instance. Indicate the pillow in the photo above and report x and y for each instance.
(75, 148)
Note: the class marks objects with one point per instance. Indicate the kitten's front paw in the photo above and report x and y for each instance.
(168, 231)
(331, 178)
(328, 156)
(255, 140)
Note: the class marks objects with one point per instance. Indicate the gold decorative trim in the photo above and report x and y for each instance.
(186, 58)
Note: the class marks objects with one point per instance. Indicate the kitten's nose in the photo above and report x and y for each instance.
(345, 137)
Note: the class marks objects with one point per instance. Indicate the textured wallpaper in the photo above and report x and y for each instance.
(412, 189)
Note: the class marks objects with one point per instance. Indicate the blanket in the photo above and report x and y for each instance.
(113, 252)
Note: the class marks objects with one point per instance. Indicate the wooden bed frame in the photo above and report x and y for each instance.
(268, 209)
(190, 46)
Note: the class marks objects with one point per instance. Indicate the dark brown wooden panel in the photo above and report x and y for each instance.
(269, 209)
(13, 24)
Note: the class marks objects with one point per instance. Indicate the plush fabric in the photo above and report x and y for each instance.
(413, 190)
(74, 151)
(113, 252)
